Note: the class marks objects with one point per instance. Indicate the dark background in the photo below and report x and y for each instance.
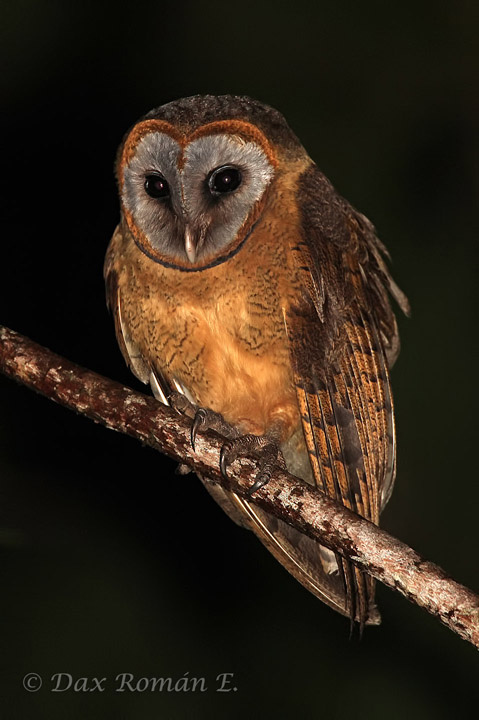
(110, 562)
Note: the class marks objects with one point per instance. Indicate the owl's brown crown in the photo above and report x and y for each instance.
(192, 112)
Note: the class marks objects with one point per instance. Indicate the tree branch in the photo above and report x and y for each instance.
(288, 498)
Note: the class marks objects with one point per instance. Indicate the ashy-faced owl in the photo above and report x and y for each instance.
(239, 278)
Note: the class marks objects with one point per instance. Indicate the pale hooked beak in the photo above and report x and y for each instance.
(190, 246)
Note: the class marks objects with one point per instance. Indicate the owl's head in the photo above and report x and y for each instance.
(195, 174)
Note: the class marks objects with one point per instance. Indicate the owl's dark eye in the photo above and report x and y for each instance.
(224, 180)
(156, 186)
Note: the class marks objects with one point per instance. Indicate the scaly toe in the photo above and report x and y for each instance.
(267, 451)
(181, 404)
(205, 419)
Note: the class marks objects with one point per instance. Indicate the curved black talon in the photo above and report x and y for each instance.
(223, 460)
(258, 483)
(198, 422)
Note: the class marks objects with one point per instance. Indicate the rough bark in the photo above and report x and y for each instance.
(141, 416)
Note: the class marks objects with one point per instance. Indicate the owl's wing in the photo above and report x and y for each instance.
(343, 336)
(133, 358)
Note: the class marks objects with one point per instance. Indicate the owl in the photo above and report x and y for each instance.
(250, 295)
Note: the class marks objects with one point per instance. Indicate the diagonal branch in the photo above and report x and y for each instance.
(288, 498)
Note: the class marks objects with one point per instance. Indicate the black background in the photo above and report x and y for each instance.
(110, 562)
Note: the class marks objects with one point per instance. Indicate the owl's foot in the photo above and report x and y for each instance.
(181, 404)
(203, 419)
(209, 420)
(264, 448)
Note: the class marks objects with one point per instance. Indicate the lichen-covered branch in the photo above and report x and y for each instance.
(120, 408)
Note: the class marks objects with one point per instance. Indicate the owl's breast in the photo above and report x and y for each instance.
(219, 332)
(235, 361)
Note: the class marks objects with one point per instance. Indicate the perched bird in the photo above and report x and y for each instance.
(242, 282)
